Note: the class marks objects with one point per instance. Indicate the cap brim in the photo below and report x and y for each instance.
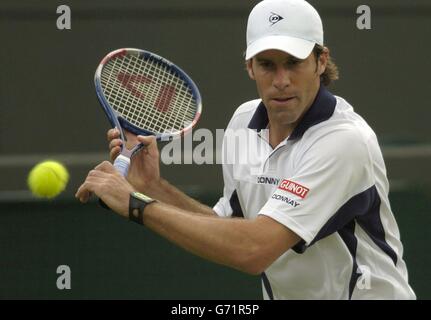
(299, 48)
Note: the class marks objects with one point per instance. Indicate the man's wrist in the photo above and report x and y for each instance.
(137, 203)
(152, 189)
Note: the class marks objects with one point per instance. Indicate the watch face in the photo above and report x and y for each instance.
(142, 197)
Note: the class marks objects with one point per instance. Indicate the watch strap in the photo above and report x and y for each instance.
(137, 206)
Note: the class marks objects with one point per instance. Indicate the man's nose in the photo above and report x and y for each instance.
(281, 78)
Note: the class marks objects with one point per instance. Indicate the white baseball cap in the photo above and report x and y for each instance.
(292, 26)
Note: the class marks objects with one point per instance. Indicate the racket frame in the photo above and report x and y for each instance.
(117, 121)
(122, 162)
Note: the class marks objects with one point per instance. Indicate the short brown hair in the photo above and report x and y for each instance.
(331, 72)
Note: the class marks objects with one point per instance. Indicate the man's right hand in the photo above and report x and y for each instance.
(144, 171)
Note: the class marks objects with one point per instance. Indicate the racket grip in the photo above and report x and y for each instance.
(122, 163)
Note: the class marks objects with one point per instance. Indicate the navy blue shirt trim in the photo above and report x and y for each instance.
(259, 120)
(321, 110)
(372, 225)
(267, 286)
(348, 236)
(236, 207)
(363, 209)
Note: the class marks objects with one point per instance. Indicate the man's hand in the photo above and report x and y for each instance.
(108, 184)
(113, 136)
(144, 171)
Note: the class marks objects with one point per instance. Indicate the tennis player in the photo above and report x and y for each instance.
(311, 213)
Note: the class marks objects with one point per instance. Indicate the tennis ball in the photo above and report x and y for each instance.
(48, 179)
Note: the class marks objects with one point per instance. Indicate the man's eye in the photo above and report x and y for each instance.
(293, 62)
(265, 64)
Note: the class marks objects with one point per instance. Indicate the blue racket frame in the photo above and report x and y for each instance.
(117, 121)
(122, 162)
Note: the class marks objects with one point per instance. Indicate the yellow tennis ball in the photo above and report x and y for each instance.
(48, 179)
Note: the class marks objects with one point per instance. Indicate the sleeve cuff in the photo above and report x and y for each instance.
(220, 209)
(290, 223)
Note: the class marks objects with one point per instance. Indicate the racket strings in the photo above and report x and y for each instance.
(116, 93)
(184, 99)
(148, 94)
(160, 120)
(163, 119)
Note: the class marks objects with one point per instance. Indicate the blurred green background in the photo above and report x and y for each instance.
(48, 109)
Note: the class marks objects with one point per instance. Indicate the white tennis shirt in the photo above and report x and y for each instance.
(327, 183)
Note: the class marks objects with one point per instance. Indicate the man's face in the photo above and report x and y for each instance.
(286, 85)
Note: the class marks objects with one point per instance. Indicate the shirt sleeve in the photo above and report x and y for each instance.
(228, 203)
(333, 170)
(224, 205)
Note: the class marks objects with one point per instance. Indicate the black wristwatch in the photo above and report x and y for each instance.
(137, 204)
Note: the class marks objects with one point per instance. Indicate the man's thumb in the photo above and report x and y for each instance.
(149, 142)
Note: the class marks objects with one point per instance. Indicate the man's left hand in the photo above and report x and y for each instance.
(108, 184)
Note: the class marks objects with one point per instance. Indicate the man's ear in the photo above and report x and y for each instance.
(249, 66)
(323, 60)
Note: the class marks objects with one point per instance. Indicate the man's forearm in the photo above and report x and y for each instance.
(248, 245)
(167, 193)
(216, 239)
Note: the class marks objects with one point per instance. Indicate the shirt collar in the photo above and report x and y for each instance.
(322, 109)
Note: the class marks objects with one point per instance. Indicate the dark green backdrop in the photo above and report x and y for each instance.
(111, 258)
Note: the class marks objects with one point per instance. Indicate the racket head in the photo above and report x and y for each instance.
(147, 94)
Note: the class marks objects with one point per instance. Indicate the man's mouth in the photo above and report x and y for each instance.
(282, 99)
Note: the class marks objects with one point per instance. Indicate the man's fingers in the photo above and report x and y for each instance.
(114, 153)
(106, 166)
(87, 188)
(84, 192)
(95, 179)
(113, 134)
(96, 174)
(115, 143)
(147, 140)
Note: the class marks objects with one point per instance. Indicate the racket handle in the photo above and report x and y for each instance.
(121, 163)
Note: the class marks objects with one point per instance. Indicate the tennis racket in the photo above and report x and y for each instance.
(146, 95)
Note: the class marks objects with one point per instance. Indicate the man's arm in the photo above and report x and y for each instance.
(144, 173)
(247, 245)
(167, 193)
